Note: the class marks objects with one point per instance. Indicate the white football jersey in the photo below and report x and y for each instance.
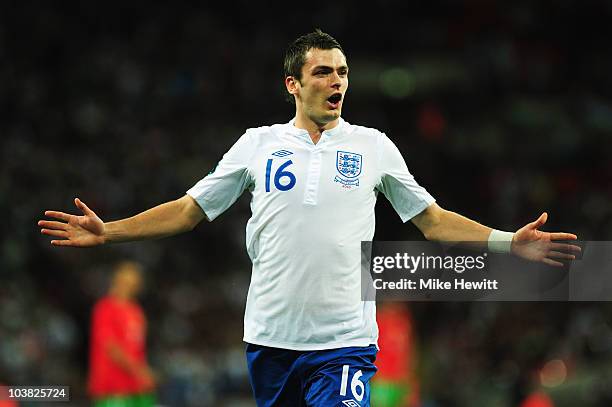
(312, 205)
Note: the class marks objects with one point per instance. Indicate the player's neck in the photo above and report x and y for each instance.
(313, 128)
(120, 295)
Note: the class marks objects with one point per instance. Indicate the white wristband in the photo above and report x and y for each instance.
(500, 241)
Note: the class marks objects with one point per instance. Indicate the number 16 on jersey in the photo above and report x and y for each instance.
(278, 174)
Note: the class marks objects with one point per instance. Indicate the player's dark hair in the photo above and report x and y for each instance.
(295, 57)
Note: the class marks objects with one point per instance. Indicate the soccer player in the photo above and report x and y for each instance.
(119, 374)
(396, 384)
(4, 397)
(314, 181)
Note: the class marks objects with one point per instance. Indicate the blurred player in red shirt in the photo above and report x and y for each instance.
(119, 374)
(538, 399)
(4, 397)
(395, 384)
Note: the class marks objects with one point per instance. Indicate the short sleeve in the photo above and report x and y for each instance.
(221, 188)
(399, 186)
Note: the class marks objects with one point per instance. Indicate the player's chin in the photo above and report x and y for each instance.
(333, 114)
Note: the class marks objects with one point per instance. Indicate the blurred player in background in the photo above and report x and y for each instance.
(396, 383)
(311, 339)
(4, 397)
(538, 399)
(119, 374)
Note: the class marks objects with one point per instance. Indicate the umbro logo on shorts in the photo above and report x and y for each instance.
(350, 403)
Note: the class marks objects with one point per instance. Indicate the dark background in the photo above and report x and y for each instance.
(502, 110)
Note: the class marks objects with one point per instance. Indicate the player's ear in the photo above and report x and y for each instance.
(292, 84)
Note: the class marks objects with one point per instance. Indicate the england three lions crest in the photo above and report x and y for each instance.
(349, 166)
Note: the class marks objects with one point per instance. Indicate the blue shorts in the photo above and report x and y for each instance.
(325, 378)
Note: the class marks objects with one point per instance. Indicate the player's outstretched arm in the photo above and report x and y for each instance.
(88, 229)
(528, 242)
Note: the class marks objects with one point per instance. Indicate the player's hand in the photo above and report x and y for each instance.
(535, 245)
(72, 230)
(147, 378)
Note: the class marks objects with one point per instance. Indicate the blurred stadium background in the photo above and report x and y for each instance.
(501, 109)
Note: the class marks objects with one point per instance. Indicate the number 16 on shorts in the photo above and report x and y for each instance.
(357, 387)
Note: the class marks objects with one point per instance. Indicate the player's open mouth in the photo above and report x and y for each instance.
(334, 100)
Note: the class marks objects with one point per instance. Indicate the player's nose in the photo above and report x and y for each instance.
(336, 81)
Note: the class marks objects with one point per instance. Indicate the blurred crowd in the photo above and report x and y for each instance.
(502, 110)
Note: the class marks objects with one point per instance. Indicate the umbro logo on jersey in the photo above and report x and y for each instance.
(282, 153)
(350, 403)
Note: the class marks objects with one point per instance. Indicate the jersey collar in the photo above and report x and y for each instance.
(291, 129)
